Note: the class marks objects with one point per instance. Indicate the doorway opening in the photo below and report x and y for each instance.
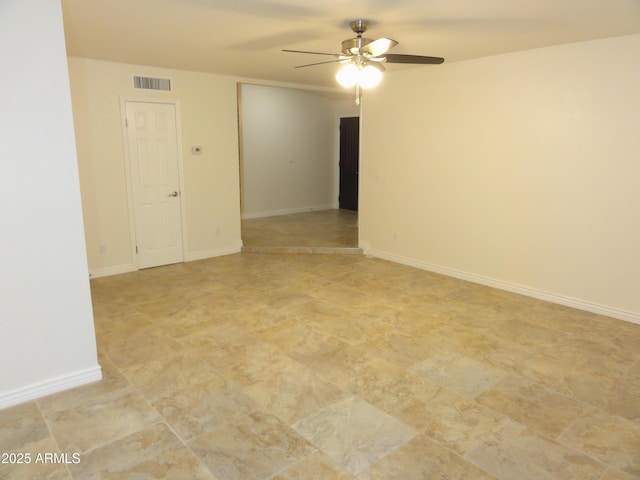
(290, 183)
(349, 162)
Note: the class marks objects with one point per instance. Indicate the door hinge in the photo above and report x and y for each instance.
(136, 249)
(126, 122)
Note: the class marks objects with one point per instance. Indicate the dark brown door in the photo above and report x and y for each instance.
(349, 162)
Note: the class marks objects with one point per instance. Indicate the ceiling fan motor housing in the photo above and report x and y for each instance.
(352, 46)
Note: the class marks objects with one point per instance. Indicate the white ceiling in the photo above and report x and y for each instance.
(245, 37)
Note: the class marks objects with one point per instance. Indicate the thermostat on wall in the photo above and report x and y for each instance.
(196, 150)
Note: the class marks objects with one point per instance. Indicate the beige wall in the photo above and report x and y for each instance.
(47, 339)
(290, 149)
(519, 171)
(208, 118)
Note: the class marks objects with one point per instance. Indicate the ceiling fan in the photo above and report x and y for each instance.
(363, 59)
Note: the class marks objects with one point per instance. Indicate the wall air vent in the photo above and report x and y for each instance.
(151, 83)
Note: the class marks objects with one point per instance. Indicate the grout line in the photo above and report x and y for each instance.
(53, 437)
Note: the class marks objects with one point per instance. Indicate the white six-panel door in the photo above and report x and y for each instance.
(155, 182)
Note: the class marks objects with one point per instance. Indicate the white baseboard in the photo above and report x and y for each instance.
(218, 252)
(510, 287)
(53, 385)
(108, 271)
(188, 257)
(286, 211)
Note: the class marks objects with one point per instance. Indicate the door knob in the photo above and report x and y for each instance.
(173, 194)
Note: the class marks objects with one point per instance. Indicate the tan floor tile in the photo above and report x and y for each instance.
(294, 392)
(564, 320)
(515, 452)
(220, 347)
(192, 319)
(401, 349)
(310, 284)
(319, 228)
(470, 341)
(175, 371)
(593, 357)
(474, 316)
(38, 466)
(331, 358)
(609, 438)
(293, 334)
(485, 319)
(416, 411)
(544, 368)
(411, 322)
(258, 289)
(152, 453)
(454, 422)
(531, 404)
(101, 419)
(254, 364)
(633, 375)
(485, 347)
(164, 305)
(245, 318)
(314, 467)
(354, 433)
(385, 385)
(112, 380)
(613, 474)
(284, 296)
(120, 320)
(462, 375)
(509, 357)
(576, 322)
(478, 295)
(138, 347)
(200, 408)
(342, 295)
(224, 302)
(615, 395)
(355, 327)
(256, 446)
(21, 426)
(628, 338)
(592, 327)
(421, 458)
(527, 334)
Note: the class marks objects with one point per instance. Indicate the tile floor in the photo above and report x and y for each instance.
(292, 367)
(320, 228)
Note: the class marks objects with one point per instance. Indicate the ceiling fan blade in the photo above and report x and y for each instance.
(313, 53)
(416, 59)
(378, 47)
(319, 63)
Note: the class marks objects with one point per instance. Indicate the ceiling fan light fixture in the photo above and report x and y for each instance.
(367, 76)
(362, 59)
(370, 75)
(348, 75)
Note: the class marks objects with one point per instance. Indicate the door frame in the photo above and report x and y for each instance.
(127, 170)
